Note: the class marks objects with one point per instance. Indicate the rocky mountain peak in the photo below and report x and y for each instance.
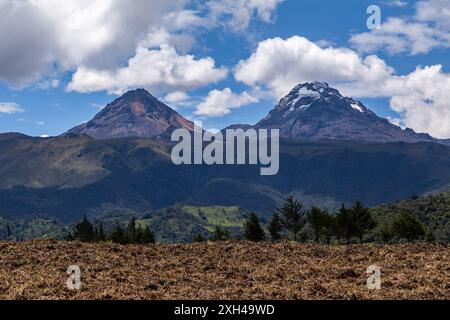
(316, 111)
(135, 114)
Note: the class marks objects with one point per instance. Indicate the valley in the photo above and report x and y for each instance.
(119, 165)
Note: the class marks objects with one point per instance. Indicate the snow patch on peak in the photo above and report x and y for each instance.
(306, 92)
(318, 85)
(357, 107)
(302, 107)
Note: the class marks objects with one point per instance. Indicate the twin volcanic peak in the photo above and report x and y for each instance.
(316, 111)
(311, 111)
(135, 114)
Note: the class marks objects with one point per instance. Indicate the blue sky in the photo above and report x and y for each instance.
(227, 61)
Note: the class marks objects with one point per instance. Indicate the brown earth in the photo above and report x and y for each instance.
(228, 270)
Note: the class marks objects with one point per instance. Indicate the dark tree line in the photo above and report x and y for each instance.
(289, 221)
(85, 231)
(347, 224)
(219, 234)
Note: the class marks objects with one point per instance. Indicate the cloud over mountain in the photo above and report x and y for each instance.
(219, 102)
(160, 70)
(39, 36)
(421, 97)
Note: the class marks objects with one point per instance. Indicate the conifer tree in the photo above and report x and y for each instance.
(362, 220)
(131, 231)
(199, 238)
(220, 234)
(117, 235)
(84, 231)
(346, 223)
(8, 231)
(147, 236)
(291, 216)
(274, 227)
(252, 228)
(316, 219)
(69, 237)
(330, 226)
(99, 233)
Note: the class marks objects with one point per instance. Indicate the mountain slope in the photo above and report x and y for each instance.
(135, 114)
(433, 210)
(315, 111)
(68, 177)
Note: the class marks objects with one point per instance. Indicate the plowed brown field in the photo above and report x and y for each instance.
(226, 270)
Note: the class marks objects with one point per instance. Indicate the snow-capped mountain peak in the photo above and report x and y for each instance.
(315, 111)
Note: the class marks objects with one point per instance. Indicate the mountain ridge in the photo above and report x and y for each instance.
(135, 114)
(311, 111)
(67, 178)
(316, 111)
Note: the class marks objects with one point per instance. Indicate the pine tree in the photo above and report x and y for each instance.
(330, 226)
(131, 231)
(252, 229)
(274, 227)
(199, 238)
(84, 231)
(362, 220)
(291, 216)
(117, 235)
(100, 233)
(346, 223)
(147, 236)
(138, 235)
(69, 237)
(8, 231)
(220, 234)
(316, 219)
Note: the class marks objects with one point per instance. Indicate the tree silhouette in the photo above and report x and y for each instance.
(362, 220)
(346, 223)
(199, 238)
(274, 227)
(220, 234)
(291, 216)
(117, 235)
(316, 219)
(252, 229)
(84, 231)
(131, 232)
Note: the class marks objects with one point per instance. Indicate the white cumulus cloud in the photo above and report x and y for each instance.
(280, 64)
(237, 14)
(39, 37)
(159, 70)
(421, 97)
(178, 98)
(427, 29)
(10, 107)
(219, 102)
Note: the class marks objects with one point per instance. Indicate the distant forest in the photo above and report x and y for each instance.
(289, 221)
(410, 220)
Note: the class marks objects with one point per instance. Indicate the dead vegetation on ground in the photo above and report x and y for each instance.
(226, 270)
